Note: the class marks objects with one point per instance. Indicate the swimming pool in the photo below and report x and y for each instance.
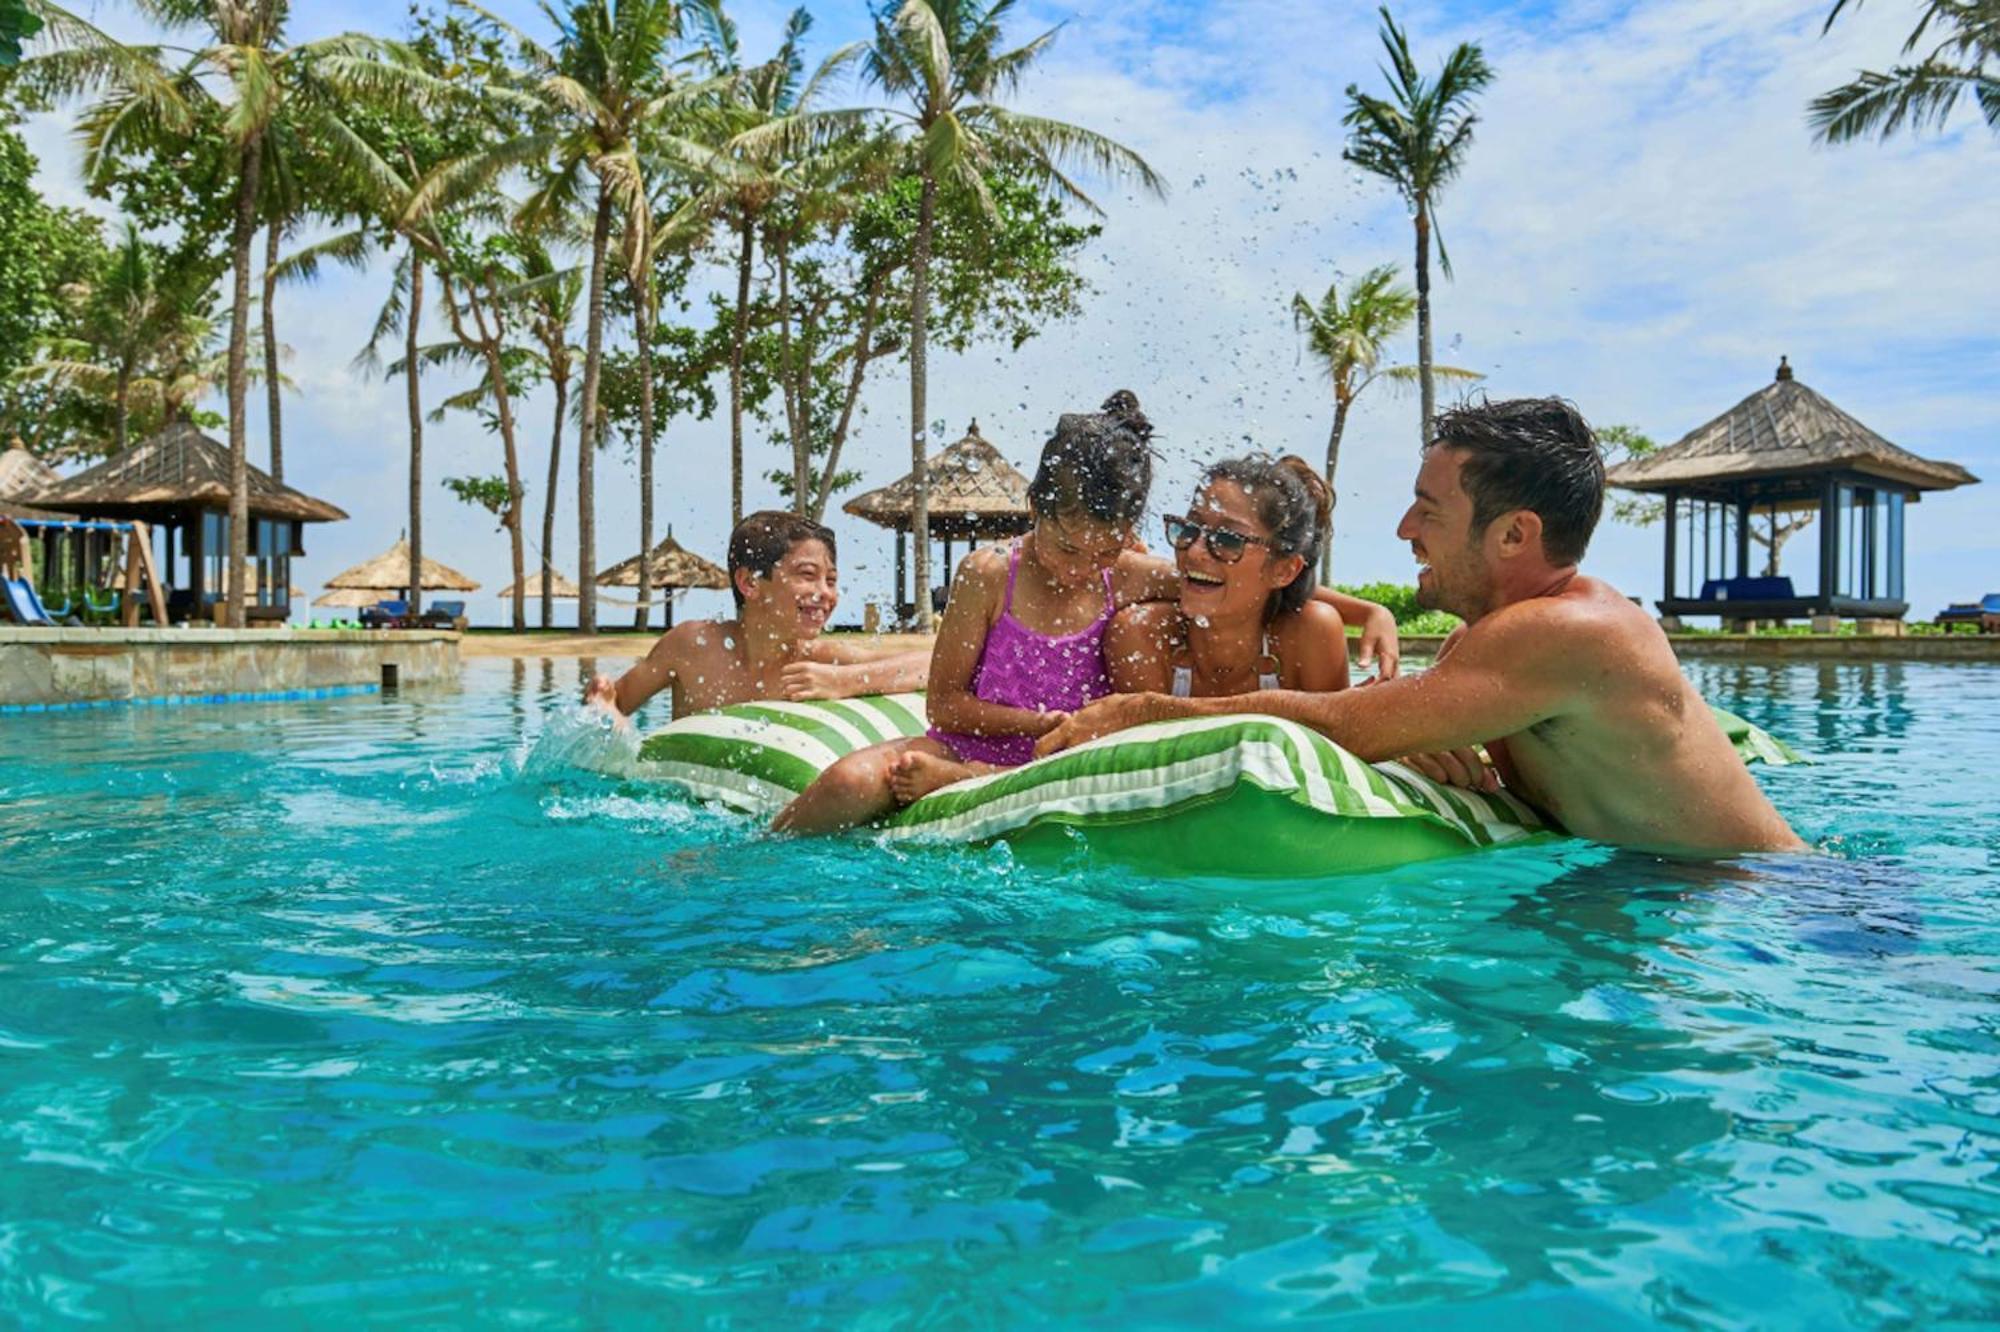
(371, 1010)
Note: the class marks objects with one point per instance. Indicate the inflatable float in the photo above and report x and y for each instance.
(1244, 797)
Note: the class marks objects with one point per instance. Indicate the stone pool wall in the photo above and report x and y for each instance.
(65, 666)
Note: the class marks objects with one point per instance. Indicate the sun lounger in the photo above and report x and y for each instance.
(1983, 614)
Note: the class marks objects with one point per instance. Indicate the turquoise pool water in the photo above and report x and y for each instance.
(377, 1011)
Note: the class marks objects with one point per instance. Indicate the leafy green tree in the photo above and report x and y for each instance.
(1346, 333)
(1417, 139)
(135, 329)
(17, 25)
(945, 64)
(1956, 50)
(44, 252)
(256, 79)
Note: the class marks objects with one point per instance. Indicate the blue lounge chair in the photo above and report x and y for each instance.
(1984, 613)
(23, 604)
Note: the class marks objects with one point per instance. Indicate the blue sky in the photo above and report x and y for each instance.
(1644, 227)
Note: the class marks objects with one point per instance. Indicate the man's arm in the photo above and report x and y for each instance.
(1501, 678)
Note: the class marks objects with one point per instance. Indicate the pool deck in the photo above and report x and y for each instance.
(61, 668)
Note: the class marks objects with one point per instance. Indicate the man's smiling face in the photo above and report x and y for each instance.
(1452, 570)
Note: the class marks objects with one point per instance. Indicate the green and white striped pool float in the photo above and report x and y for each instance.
(1248, 796)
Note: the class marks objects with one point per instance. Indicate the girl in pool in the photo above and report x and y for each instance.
(1246, 618)
(1022, 641)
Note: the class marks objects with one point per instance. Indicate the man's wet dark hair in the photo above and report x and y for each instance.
(764, 538)
(1295, 506)
(1097, 463)
(1529, 453)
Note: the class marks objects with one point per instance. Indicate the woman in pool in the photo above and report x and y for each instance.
(1246, 618)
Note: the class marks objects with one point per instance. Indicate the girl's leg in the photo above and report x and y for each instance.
(853, 791)
(916, 773)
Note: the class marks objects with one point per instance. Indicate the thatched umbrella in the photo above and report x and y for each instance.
(23, 475)
(976, 496)
(390, 572)
(531, 587)
(674, 568)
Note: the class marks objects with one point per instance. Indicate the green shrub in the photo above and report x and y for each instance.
(1401, 601)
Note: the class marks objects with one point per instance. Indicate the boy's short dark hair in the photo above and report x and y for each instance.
(764, 538)
(1529, 453)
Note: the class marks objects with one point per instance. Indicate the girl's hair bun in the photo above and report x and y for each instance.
(1123, 408)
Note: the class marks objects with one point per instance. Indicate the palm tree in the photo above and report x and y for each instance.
(1964, 57)
(763, 95)
(604, 96)
(1417, 140)
(1346, 334)
(943, 60)
(252, 78)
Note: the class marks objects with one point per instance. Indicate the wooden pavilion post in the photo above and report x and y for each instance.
(1673, 532)
(1743, 537)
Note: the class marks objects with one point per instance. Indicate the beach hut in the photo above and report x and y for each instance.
(674, 568)
(1785, 459)
(976, 496)
(560, 587)
(177, 481)
(387, 578)
(23, 477)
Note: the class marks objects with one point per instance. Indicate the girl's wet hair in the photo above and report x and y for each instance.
(1296, 507)
(1097, 463)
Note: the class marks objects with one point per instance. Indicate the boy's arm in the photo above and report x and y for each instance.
(654, 672)
(850, 670)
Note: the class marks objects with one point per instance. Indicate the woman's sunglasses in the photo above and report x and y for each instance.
(1224, 544)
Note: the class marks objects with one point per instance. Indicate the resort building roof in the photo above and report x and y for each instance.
(974, 492)
(390, 572)
(175, 470)
(672, 565)
(23, 478)
(1782, 430)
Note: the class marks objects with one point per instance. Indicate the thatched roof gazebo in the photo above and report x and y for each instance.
(975, 495)
(673, 567)
(560, 587)
(177, 480)
(1785, 451)
(390, 572)
(23, 478)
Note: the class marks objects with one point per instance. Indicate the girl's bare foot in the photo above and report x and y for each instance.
(916, 774)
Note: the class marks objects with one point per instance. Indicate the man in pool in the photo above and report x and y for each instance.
(1573, 691)
(782, 573)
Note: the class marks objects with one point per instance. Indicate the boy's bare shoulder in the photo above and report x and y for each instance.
(692, 637)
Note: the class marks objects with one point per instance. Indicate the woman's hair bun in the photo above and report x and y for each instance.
(1316, 486)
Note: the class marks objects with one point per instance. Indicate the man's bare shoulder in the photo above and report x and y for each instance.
(1588, 618)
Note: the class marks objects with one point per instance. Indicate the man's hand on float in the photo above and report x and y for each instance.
(1116, 712)
(1465, 768)
(1379, 643)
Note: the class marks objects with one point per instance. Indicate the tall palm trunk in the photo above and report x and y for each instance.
(1340, 404)
(490, 339)
(413, 396)
(593, 364)
(920, 301)
(736, 345)
(121, 409)
(1427, 390)
(238, 376)
(797, 407)
(274, 409)
(549, 503)
(642, 318)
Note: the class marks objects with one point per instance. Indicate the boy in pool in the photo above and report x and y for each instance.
(783, 575)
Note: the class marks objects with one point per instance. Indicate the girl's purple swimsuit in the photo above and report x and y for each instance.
(1023, 669)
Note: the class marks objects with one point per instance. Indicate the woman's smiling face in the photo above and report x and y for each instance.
(1214, 589)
